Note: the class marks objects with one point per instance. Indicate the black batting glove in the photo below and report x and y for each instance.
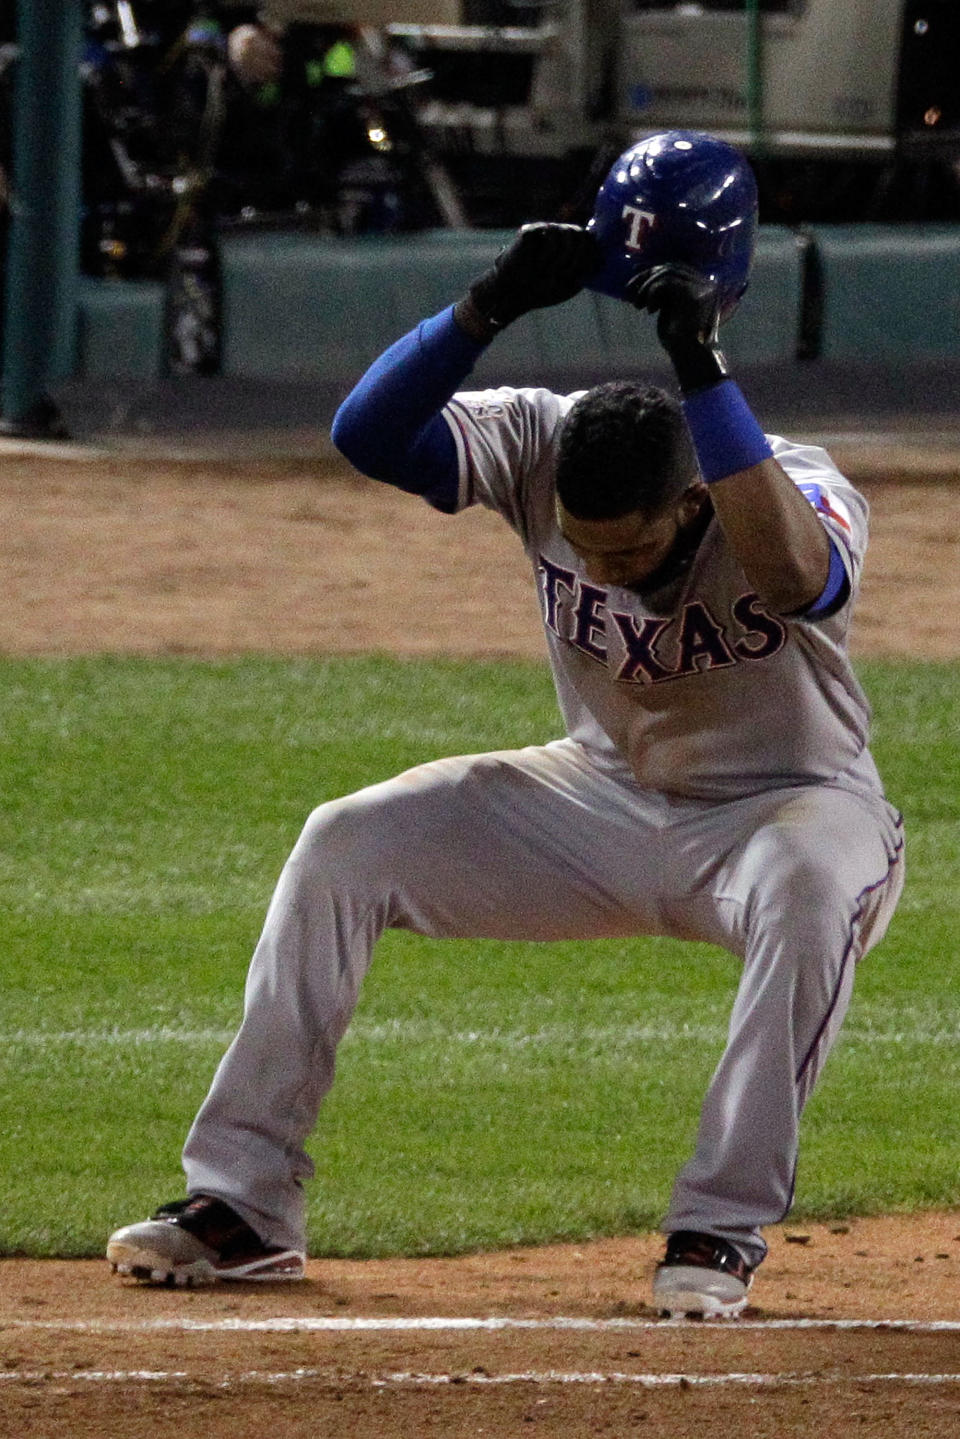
(543, 265)
(688, 317)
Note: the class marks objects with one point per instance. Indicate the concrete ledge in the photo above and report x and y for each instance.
(882, 407)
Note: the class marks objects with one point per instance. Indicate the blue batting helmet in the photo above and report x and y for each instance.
(681, 197)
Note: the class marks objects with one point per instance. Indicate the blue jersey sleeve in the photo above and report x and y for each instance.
(390, 426)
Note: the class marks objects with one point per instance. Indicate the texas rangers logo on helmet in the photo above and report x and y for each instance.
(638, 223)
(680, 197)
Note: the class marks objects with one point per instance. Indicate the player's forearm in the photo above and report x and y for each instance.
(780, 543)
(774, 533)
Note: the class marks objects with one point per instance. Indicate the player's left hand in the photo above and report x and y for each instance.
(687, 307)
(545, 264)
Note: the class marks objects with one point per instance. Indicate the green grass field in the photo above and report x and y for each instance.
(488, 1093)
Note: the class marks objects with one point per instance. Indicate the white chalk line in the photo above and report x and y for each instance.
(393, 1324)
(413, 1379)
(425, 1031)
(657, 1381)
(479, 1376)
(393, 1031)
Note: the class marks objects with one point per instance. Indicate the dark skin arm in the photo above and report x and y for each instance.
(775, 534)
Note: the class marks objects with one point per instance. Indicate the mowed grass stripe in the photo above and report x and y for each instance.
(488, 1093)
(426, 1032)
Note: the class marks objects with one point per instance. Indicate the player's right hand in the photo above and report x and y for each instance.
(545, 264)
(687, 308)
(685, 302)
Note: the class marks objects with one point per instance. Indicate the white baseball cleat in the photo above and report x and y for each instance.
(198, 1241)
(701, 1277)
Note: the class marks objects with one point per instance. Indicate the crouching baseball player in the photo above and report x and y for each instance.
(696, 579)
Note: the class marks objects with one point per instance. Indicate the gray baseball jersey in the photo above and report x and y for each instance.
(698, 691)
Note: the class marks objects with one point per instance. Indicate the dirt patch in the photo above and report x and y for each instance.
(156, 557)
(348, 1351)
(305, 557)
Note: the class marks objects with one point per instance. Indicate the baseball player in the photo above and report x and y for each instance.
(695, 578)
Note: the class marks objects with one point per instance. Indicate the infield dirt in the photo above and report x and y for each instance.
(296, 556)
(130, 555)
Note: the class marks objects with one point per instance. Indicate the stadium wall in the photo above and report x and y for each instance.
(853, 320)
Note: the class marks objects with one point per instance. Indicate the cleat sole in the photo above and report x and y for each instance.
(700, 1307)
(147, 1267)
(690, 1291)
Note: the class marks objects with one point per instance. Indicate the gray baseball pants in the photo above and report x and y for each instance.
(538, 844)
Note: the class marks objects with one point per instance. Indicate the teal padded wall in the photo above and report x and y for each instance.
(765, 326)
(120, 329)
(298, 307)
(891, 292)
(301, 307)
